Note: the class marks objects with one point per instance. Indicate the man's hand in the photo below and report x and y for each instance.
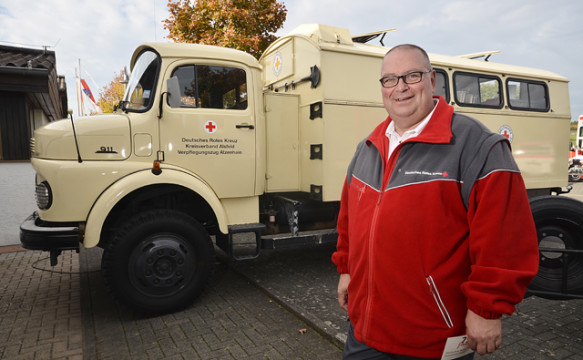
(484, 335)
(343, 291)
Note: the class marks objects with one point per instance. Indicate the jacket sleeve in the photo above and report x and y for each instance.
(340, 257)
(503, 244)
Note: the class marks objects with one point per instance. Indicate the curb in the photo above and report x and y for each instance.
(297, 311)
(11, 248)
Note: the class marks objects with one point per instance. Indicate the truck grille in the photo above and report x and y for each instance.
(32, 146)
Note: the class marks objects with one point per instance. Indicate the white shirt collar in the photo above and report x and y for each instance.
(395, 139)
(413, 132)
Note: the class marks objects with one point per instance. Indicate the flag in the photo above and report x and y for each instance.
(87, 91)
(89, 105)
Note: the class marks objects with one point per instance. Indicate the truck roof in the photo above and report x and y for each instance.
(330, 38)
(182, 50)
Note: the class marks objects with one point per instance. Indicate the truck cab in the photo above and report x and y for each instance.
(162, 158)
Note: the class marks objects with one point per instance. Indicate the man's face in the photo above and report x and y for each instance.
(407, 104)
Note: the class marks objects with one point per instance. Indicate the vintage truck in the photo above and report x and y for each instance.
(211, 147)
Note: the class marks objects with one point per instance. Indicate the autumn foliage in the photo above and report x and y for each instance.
(247, 25)
(112, 93)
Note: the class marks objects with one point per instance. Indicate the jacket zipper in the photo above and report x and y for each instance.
(361, 192)
(439, 302)
(371, 249)
(370, 267)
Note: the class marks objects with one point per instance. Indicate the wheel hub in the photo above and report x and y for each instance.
(552, 240)
(161, 263)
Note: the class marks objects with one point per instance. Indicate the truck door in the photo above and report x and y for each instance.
(212, 132)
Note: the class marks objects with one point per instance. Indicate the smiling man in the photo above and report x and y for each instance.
(436, 237)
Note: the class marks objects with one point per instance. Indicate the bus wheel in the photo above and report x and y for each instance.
(159, 262)
(559, 225)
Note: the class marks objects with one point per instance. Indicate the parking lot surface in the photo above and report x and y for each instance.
(280, 306)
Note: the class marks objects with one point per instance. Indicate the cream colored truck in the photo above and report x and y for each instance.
(211, 146)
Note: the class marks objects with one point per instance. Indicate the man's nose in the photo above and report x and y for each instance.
(401, 84)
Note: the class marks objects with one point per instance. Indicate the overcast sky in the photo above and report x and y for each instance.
(103, 34)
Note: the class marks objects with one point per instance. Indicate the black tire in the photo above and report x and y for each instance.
(159, 262)
(559, 225)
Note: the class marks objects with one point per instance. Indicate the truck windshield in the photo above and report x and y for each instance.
(141, 85)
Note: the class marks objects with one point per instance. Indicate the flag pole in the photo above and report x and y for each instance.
(80, 110)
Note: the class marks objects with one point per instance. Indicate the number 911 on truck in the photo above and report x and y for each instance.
(213, 147)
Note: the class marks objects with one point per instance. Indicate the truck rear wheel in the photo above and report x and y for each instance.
(559, 225)
(159, 262)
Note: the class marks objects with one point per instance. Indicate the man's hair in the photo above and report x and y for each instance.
(412, 47)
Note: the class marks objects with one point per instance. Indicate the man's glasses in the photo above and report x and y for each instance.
(411, 78)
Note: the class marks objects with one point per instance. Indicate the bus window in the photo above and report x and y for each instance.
(477, 90)
(527, 95)
(441, 84)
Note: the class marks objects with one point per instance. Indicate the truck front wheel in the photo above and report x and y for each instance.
(559, 225)
(159, 262)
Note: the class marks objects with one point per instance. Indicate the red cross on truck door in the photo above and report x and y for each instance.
(212, 132)
(210, 126)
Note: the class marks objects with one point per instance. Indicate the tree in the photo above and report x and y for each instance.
(246, 25)
(112, 94)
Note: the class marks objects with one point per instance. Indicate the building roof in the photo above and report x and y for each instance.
(33, 71)
(27, 58)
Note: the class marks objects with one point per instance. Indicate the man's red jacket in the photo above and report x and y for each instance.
(442, 226)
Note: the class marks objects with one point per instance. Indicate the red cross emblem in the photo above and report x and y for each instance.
(210, 126)
(506, 131)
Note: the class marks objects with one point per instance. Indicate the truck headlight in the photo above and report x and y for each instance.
(44, 195)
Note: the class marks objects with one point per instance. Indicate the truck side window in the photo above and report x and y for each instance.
(477, 90)
(441, 84)
(527, 95)
(212, 87)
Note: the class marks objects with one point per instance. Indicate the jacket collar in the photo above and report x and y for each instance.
(437, 131)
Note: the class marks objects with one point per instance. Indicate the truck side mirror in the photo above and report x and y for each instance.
(173, 89)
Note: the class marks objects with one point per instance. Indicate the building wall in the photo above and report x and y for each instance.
(37, 119)
(17, 180)
(14, 126)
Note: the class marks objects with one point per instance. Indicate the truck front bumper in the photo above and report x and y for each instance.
(38, 235)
